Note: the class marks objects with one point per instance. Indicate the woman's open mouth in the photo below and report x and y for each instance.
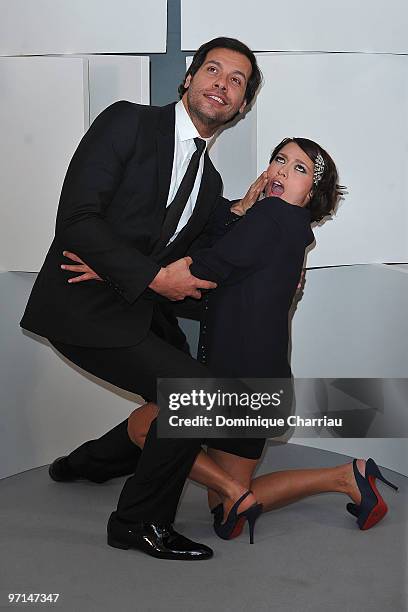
(277, 188)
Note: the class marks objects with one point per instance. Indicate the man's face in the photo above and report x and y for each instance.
(217, 90)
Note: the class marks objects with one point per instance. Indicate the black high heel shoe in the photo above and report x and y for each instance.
(372, 507)
(218, 512)
(234, 524)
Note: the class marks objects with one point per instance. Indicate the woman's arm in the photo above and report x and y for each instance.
(226, 213)
(246, 247)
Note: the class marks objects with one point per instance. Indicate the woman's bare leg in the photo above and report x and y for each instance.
(241, 469)
(278, 489)
(228, 476)
(204, 471)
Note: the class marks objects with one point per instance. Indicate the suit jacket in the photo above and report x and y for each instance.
(110, 213)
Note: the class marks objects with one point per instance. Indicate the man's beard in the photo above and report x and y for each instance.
(211, 121)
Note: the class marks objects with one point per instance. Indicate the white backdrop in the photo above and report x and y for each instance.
(117, 77)
(39, 138)
(354, 105)
(362, 25)
(43, 110)
(42, 27)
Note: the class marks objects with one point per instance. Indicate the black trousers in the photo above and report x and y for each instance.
(161, 470)
(153, 492)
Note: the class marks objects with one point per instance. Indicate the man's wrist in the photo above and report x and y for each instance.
(158, 280)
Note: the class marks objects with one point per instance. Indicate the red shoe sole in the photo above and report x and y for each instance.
(238, 528)
(379, 510)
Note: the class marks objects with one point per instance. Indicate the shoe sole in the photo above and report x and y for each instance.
(379, 510)
(238, 528)
(116, 544)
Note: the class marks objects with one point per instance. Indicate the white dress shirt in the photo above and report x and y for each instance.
(184, 147)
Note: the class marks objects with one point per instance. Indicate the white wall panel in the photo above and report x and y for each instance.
(355, 106)
(366, 25)
(117, 77)
(74, 26)
(48, 406)
(43, 115)
(40, 138)
(234, 155)
(351, 323)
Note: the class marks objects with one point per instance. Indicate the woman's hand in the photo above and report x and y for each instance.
(251, 196)
(86, 272)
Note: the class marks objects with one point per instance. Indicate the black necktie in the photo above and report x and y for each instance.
(175, 209)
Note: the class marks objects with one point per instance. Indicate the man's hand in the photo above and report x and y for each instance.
(251, 196)
(86, 272)
(176, 282)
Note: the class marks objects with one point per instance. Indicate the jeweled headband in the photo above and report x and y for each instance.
(318, 169)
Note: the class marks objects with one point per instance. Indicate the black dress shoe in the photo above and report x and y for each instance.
(155, 539)
(61, 471)
(95, 471)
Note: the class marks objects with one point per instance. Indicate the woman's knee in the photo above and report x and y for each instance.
(140, 420)
(240, 468)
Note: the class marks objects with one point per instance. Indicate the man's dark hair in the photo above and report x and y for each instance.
(234, 45)
(326, 194)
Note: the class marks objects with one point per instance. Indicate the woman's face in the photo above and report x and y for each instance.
(290, 175)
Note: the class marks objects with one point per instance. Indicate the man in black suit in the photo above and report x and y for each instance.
(137, 195)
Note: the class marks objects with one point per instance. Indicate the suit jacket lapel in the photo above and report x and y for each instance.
(165, 153)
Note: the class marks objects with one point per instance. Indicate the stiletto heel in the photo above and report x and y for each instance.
(372, 507)
(251, 518)
(372, 469)
(234, 524)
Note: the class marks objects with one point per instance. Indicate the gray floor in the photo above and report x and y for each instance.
(308, 556)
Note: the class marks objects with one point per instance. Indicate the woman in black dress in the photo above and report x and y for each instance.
(256, 259)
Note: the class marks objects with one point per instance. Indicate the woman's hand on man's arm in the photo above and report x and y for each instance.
(251, 196)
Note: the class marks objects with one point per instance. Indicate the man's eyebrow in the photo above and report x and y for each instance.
(217, 63)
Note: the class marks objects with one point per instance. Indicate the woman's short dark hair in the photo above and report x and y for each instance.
(234, 45)
(327, 192)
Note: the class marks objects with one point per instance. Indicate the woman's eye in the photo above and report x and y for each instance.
(236, 81)
(279, 159)
(212, 69)
(301, 168)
